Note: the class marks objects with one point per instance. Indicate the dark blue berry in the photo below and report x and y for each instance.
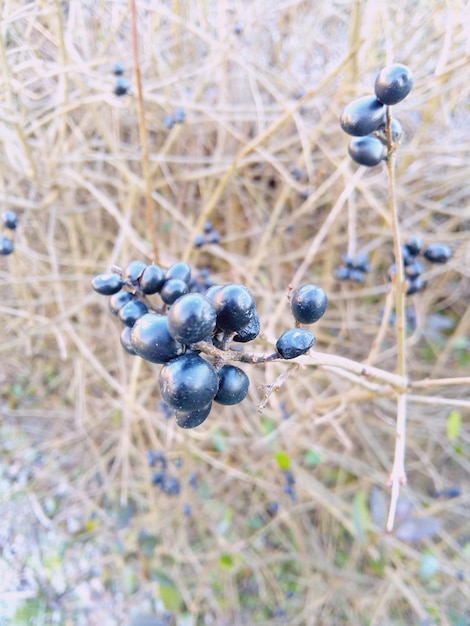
(235, 307)
(131, 312)
(233, 385)
(362, 116)
(118, 69)
(415, 285)
(118, 300)
(179, 116)
(188, 383)
(308, 304)
(250, 331)
(361, 262)
(272, 508)
(179, 270)
(199, 241)
(367, 151)
(213, 237)
(134, 271)
(169, 121)
(393, 83)
(170, 485)
(152, 341)
(414, 269)
(192, 419)
(357, 276)
(191, 318)
(173, 289)
(437, 253)
(158, 477)
(152, 279)
(125, 339)
(156, 457)
(414, 246)
(294, 342)
(10, 220)
(107, 284)
(342, 273)
(121, 86)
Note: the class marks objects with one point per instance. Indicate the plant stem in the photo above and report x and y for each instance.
(398, 475)
(144, 155)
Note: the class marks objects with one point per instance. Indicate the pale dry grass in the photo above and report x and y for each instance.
(262, 85)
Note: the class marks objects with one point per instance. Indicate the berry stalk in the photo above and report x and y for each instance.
(398, 475)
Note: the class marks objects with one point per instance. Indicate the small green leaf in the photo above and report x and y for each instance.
(226, 560)
(312, 458)
(283, 460)
(360, 515)
(170, 597)
(454, 425)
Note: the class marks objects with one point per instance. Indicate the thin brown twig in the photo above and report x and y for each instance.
(144, 149)
(398, 474)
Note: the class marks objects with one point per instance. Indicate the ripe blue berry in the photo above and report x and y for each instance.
(10, 220)
(414, 246)
(173, 289)
(125, 339)
(342, 273)
(134, 271)
(308, 304)
(367, 151)
(118, 69)
(179, 116)
(199, 241)
(191, 318)
(414, 269)
(179, 270)
(191, 419)
(393, 83)
(152, 279)
(396, 129)
(6, 246)
(250, 331)
(188, 383)
(131, 312)
(294, 342)
(121, 86)
(151, 340)
(362, 116)
(235, 306)
(233, 385)
(415, 285)
(437, 253)
(118, 300)
(107, 284)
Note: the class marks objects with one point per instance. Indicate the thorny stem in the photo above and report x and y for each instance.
(144, 156)
(398, 475)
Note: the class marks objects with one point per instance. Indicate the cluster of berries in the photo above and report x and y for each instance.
(186, 323)
(434, 253)
(121, 84)
(366, 118)
(10, 222)
(208, 235)
(354, 269)
(178, 117)
(166, 481)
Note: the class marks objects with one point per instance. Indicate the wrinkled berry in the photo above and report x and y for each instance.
(294, 342)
